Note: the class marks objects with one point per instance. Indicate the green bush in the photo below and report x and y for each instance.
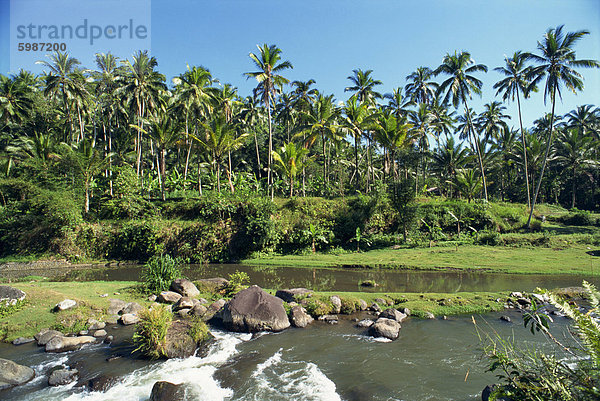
(198, 329)
(578, 218)
(151, 332)
(318, 307)
(237, 281)
(488, 238)
(136, 240)
(159, 272)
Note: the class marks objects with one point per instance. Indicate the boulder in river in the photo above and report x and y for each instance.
(252, 310)
(23, 340)
(336, 302)
(184, 287)
(387, 328)
(129, 319)
(64, 344)
(393, 314)
(299, 317)
(132, 308)
(94, 324)
(292, 294)
(61, 377)
(12, 374)
(46, 335)
(168, 297)
(180, 344)
(362, 304)
(65, 304)
(166, 391)
(365, 323)
(10, 295)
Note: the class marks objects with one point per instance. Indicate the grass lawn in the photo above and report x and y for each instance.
(533, 260)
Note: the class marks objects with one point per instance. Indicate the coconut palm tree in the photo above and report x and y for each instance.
(251, 117)
(364, 86)
(393, 135)
(64, 81)
(575, 153)
(458, 88)
(356, 119)
(449, 158)
(269, 65)
(491, 120)
(468, 183)
(219, 138)
(15, 101)
(142, 89)
(421, 120)
(586, 119)
(515, 83)
(289, 160)
(556, 63)
(419, 88)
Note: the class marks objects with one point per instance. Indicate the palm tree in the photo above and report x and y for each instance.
(449, 159)
(393, 134)
(251, 116)
(356, 120)
(468, 183)
(459, 86)
(514, 83)
(219, 139)
(421, 120)
(556, 62)
(142, 89)
(194, 96)
(15, 101)
(267, 61)
(303, 94)
(586, 119)
(363, 86)
(64, 81)
(420, 89)
(575, 153)
(321, 121)
(491, 120)
(290, 160)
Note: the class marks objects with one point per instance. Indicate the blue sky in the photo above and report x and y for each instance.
(326, 40)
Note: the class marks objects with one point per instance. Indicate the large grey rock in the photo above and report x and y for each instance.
(252, 310)
(179, 343)
(299, 317)
(168, 297)
(116, 306)
(129, 319)
(65, 305)
(336, 302)
(184, 287)
(10, 295)
(132, 308)
(393, 314)
(166, 391)
(12, 374)
(292, 294)
(387, 328)
(64, 344)
(212, 284)
(362, 304)
(46, 335)
(61, 377)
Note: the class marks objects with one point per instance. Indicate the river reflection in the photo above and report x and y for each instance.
(341, 279)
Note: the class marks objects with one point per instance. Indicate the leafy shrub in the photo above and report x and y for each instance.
(237, 281)
(318, 307)
(136, 240)
(151, 332)
(159, 272)
(7, 309)
(349, 305)
(578, 218)
(488, 238)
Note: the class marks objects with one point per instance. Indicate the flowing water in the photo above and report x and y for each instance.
(340, 279)
(432, 360)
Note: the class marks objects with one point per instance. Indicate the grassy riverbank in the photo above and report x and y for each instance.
(36, 313)
(576, 259)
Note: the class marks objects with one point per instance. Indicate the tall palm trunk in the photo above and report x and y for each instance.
(163, 171)
(324, 159)
(524, 152)
(539, 183)
(269, 173)
(480, 159)
(257, 155)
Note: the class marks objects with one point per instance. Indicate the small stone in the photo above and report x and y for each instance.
(362, 304)
(100, 333)
(333, 319)
(108, 339)
(63, 344)
(406, 311)
(152, 298)
(336, 302)
(299, 317)
(184, 303)
(429, 315)
(46, 335)
(365, 323)
(22, 340)
(116, 306)
(132, 308)
(198, 310)
(95, 324)
(393, 314)
(375, 307)
(83, 333)
(65, 305)
(505, 318)
(183, 312)
(168, 297)
(103, 295)
(516, 294)
(184, 287)
(114, 319)
(387, 328)
(129, 318)
(113, 358)
(116, 293)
